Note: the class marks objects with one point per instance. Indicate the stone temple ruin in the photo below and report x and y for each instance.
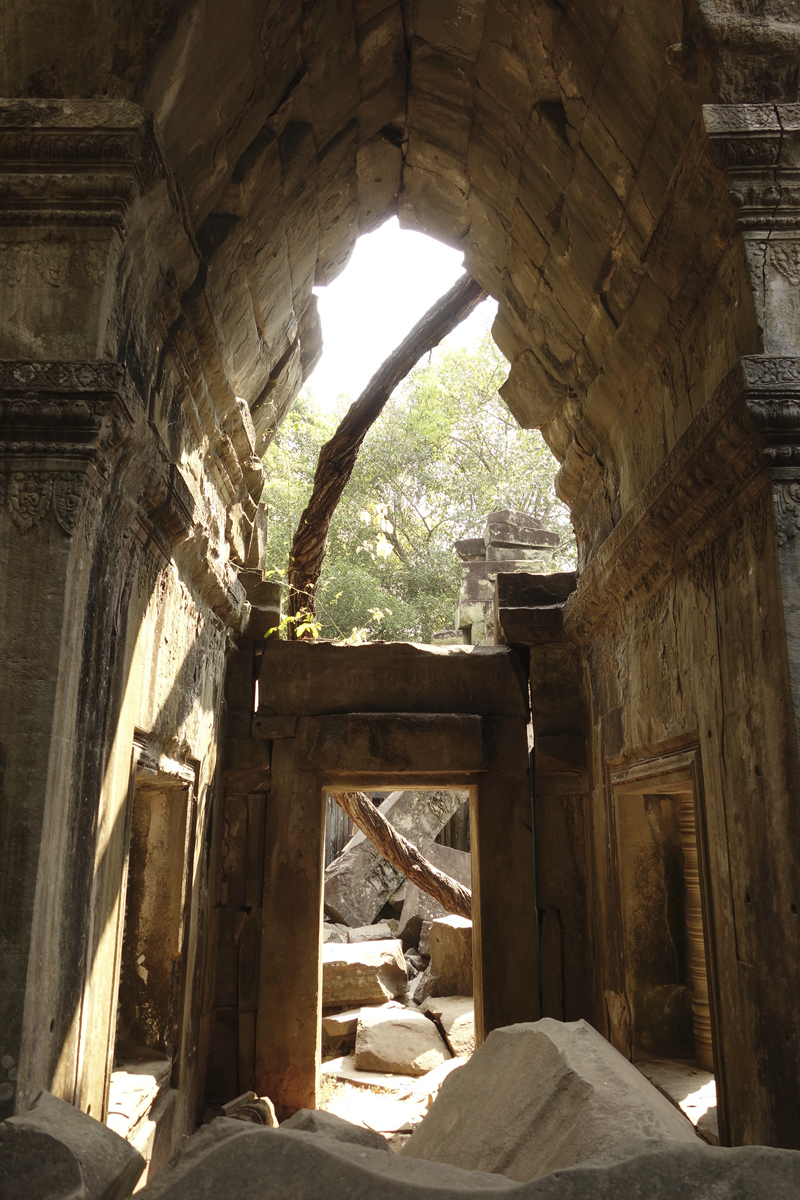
(511, 542)
(623, 176)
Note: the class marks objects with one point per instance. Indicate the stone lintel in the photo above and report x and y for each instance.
(315, 678)
(529, 626)
(447, 746)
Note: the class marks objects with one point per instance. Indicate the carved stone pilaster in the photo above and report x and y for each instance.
(773, 399)
(759, 147)
(59, 424)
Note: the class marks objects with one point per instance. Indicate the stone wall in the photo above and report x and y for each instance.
(128, 497)
(623, 178)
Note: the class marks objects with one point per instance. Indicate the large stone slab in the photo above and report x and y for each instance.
(400, 1041)
(362, 973)
(451, 956)
(456, 1017)
(311, 678)
(225, 1161)
(229, 1160)
(310, 1120)
(359, 882)
(55, 1151)
(419, 909)
(542, 1096)
(378, 932)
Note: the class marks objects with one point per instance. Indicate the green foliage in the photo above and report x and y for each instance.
(444, 453)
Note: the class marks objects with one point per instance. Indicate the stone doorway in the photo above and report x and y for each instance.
(144, 1063)
(667, 960)
(389, 716)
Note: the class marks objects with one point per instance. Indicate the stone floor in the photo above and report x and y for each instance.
(136, 1084)
(392, 1105)
(690, 1088)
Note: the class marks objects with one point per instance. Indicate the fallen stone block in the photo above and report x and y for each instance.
(421, 987)
(259, 1110)
(455, 1016)
(334, 933)
(419, 909)
(345, 1069)
(55, 1151)
(359, 882)
(399, 1041)
(364, 973)
(451, 956)
(540, 1097)
(430, 1083)
(309, 1120)
(342, 1024)
(230, 1160)
(379, 932)
(397, 900)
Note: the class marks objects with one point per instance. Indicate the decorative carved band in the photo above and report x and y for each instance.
(64, 418)
(66, 409)
(171, 503)
(773, 400)
(757, 144)
(105, 135)
(29, 495)
(752, 422)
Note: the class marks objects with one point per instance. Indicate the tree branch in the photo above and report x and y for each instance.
(338, 456)
(404, 855)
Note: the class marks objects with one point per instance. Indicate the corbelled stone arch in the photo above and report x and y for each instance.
(622, 177)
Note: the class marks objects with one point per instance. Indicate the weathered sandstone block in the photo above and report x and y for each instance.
(236, 1161)
(419, 909)
(540, 1097)
(308, 1120)
(456, 1016)
(359, 882)
(364, 973)
(451, 956)
(56, 1151)
(400, 1041)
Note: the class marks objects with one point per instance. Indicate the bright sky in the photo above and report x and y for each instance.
(393, 277)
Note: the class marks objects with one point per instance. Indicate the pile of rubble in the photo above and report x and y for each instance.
(543, 1111)
(397, 989)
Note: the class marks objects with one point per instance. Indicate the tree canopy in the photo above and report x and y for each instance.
(445, 452)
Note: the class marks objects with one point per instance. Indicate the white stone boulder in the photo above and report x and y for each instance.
(540, 1097)
(399, 1041)
(362, 973)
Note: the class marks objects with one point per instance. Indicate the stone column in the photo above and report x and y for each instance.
(504, 918)
(70, 174)
(758, 146)
(290, 988)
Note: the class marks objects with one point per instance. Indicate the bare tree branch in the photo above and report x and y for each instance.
(404, 855)
(338, 456)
